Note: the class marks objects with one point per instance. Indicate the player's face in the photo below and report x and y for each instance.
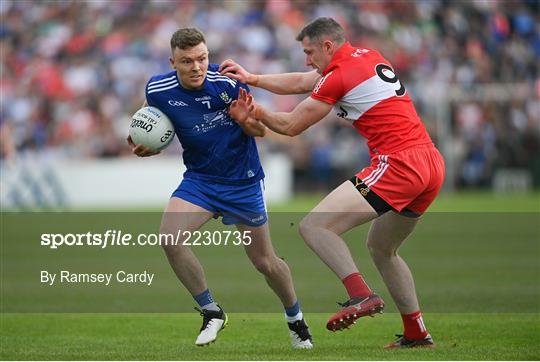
(318, 53)
(191, 65)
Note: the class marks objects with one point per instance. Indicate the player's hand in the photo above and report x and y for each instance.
(241, 107)
(234, 70)
(140, 150)
(250, 102)
(242, 110)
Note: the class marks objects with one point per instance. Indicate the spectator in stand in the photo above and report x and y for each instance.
(71, 70)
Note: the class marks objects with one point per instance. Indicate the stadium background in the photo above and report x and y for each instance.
(73, 73)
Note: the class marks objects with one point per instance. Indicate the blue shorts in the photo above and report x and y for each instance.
(238, 204)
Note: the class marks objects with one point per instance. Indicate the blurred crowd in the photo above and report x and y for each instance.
(73, 73)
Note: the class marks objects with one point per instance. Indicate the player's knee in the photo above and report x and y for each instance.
(265, 265)
(306, 227)
(167, 239)
(379, 250)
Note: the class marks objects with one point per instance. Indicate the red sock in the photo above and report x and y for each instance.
(414, 326)
(356, 286)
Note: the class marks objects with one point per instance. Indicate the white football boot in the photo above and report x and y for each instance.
(300, 336)
(213, 323)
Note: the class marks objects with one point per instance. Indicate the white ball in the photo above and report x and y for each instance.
(152, 128)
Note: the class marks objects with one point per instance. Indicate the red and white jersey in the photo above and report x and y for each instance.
(364, 89)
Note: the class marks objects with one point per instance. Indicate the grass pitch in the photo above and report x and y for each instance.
(475, 258)
(261, 337)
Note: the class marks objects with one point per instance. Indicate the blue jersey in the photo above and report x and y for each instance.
(215, 147)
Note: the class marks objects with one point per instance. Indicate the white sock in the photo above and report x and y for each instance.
(294, 318)
(211, 306)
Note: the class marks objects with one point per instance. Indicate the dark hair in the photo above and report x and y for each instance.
(321, 27)
(187, 38)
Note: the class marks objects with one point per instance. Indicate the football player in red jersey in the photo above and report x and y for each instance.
(405, 175)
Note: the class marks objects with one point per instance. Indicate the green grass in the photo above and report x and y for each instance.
(462, 201)
(451, 254)
(475, 259)
(468, 201)
(260, 337)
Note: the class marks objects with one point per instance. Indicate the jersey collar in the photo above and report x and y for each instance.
(342, 53)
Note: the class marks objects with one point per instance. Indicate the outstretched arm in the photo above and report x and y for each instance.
(282, 83)
(239, 110)
(304, 115)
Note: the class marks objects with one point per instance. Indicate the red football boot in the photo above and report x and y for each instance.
(353, 309)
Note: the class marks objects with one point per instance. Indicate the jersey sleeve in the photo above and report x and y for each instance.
(158, 84)
(149, 96)
(329, 89)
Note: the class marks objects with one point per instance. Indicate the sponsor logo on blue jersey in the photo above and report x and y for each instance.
(212, 120)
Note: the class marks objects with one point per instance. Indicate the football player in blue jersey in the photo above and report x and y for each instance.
(223, 177)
